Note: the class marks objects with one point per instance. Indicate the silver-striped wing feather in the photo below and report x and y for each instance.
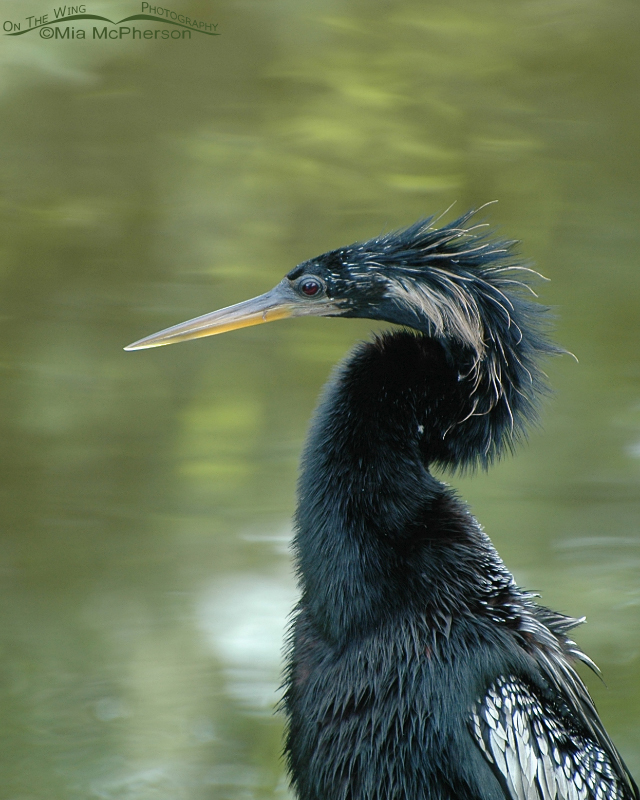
(534, 750)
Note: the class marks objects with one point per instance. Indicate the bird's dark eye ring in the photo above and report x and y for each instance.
(310, 286)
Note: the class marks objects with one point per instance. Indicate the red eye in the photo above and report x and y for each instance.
(310, 287)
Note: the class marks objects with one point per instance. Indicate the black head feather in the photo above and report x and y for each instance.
(466, 289)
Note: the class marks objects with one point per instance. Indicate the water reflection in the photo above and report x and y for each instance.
(243, 618)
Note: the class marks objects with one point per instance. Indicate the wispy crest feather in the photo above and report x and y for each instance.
(469, 289)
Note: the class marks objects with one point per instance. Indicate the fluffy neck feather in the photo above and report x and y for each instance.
(377, 534)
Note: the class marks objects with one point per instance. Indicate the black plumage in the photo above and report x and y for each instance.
(417, 669)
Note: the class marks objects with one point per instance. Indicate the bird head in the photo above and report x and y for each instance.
(444, 282)
(457, 284)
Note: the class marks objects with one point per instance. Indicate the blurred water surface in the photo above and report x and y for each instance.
(146, 497)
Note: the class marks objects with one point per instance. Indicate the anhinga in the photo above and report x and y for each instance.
(418, 669)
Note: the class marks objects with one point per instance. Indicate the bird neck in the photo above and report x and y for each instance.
(377, 534)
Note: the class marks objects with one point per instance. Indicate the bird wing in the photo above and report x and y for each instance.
(538, 754)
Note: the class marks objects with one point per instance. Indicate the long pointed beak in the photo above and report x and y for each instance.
(281, 302)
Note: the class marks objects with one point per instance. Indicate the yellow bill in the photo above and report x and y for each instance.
(281, 302)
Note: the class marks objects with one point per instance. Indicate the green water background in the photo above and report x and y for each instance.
(146, 497)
